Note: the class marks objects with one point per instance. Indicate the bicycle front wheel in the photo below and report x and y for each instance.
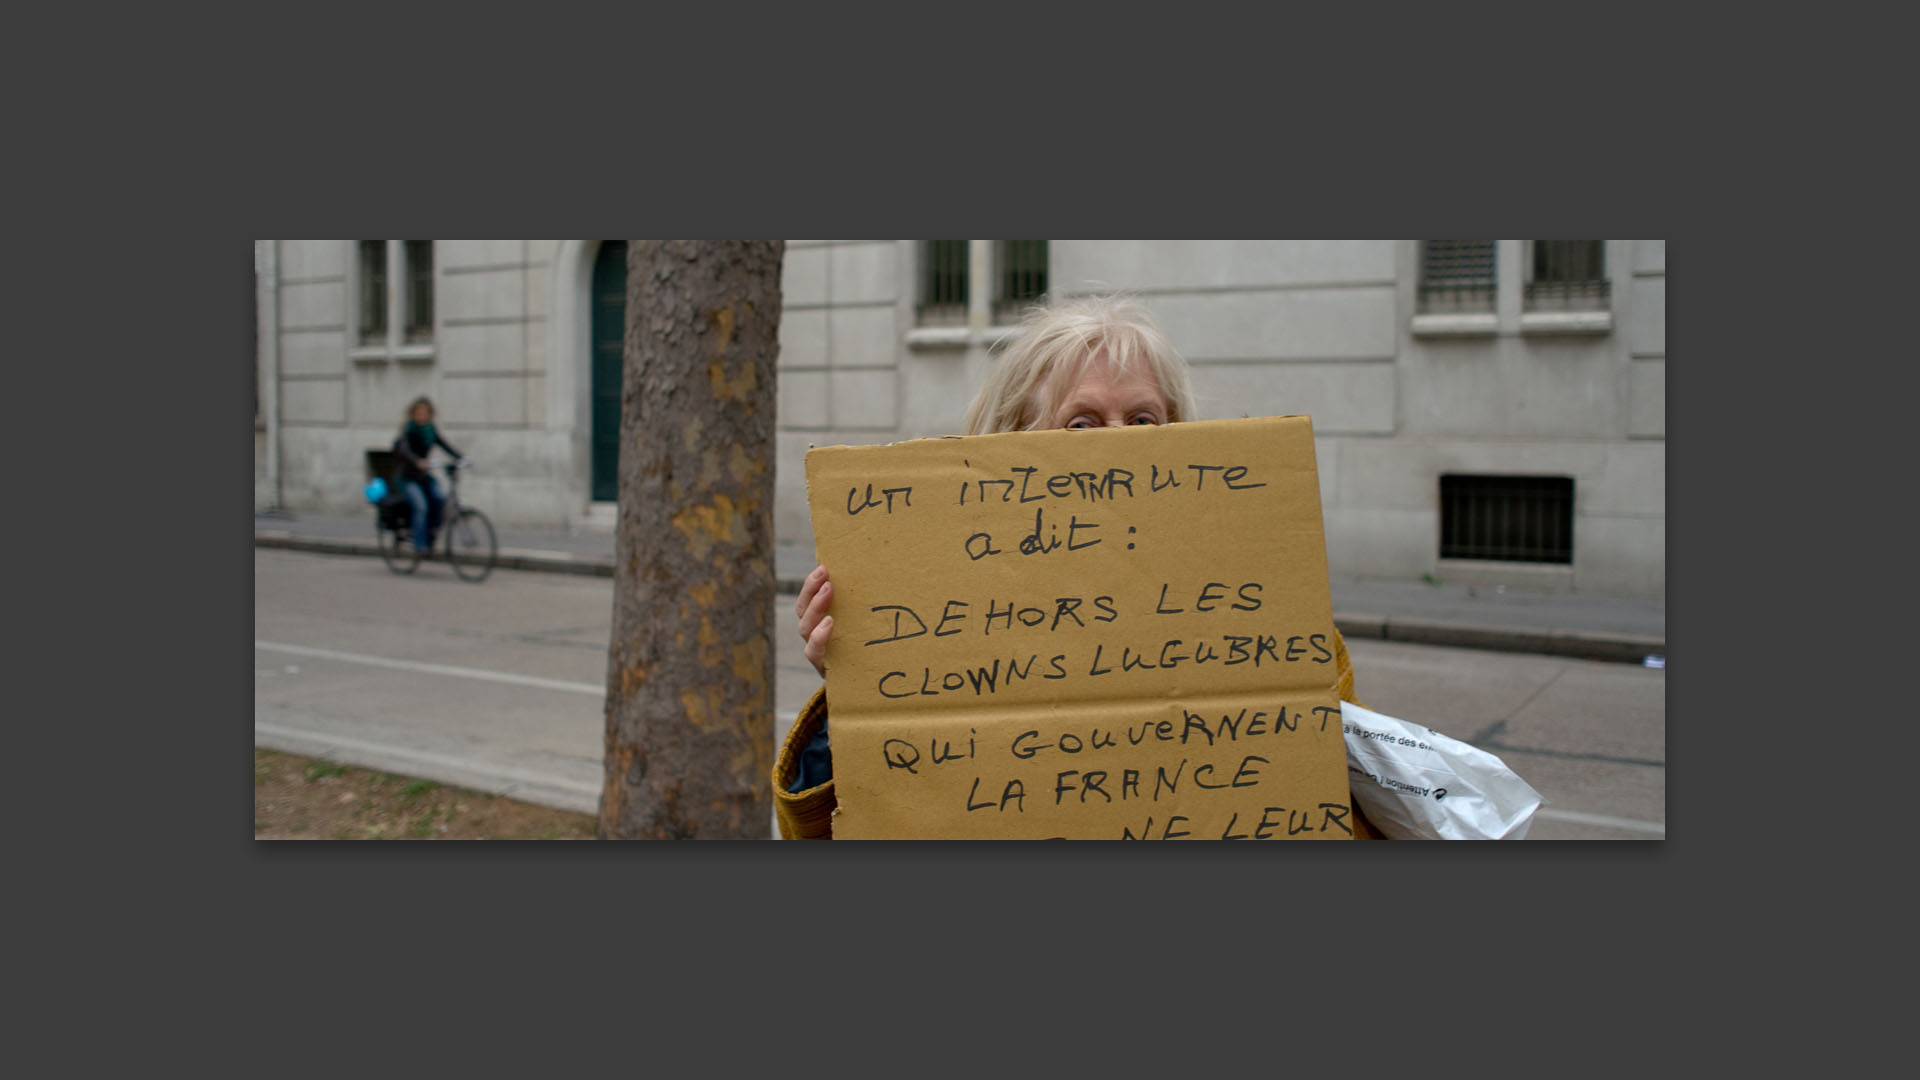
(397, 550)
(470, 545)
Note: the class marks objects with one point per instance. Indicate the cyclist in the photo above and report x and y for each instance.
(416, 441)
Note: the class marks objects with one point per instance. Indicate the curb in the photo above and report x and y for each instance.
(509, 558)
(1577, 644)
(541, 789)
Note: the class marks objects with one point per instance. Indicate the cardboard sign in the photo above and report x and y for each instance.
(1118, 633)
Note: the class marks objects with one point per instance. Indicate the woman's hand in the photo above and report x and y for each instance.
(816, 626)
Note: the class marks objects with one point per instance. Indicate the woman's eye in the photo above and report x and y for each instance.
(1079, 423)
(1145, 418)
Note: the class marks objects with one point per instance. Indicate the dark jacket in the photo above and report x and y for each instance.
(410, 450)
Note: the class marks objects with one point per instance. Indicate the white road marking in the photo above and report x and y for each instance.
(1577, 818)
(591, 689)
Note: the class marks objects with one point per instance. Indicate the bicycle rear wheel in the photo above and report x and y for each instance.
(398, 551)
(470, 545)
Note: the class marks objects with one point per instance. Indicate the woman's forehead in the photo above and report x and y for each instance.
(1092, 382)
(1097, 371)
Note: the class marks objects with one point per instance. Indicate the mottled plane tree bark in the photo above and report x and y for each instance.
(690, 670)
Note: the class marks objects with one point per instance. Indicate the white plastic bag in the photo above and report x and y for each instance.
(1417, 784)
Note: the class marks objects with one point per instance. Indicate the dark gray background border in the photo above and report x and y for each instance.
(1285, 149)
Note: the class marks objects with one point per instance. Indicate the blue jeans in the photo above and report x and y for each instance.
(428, 501)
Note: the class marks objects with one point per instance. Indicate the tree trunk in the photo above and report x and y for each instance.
(690, 670)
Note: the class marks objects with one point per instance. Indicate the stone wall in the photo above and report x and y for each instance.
(1323, 328)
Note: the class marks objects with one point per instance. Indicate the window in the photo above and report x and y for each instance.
(943, 282)
(1020, 277)
(394, 297)
(419, 290)
(1567, 275)
(1016, 273)
(1456, 275)
(1508, 518)
(373, 292)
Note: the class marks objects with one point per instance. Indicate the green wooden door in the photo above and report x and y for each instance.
(609, 341)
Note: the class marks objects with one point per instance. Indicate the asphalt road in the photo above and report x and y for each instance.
(499, 686)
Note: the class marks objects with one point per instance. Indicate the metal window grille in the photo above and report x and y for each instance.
(373, 291)
(419, 290)
(1021, 276)
(1508, 518)
(943, 282)
(1568, 275)
(1456, 275)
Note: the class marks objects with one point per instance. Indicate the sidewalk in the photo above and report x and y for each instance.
(1590, 627)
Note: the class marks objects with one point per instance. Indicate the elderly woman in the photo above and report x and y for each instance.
(1099, 362)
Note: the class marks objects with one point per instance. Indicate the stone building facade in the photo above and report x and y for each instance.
(1455, 387)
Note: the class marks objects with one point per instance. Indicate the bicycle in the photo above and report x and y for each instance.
(470, 549)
